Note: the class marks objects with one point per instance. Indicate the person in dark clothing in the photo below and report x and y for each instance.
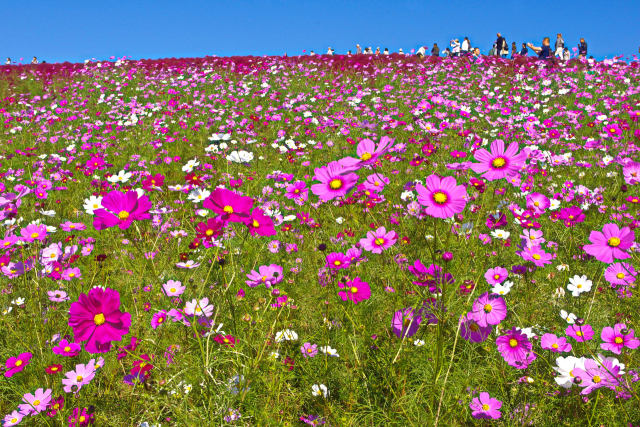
(582, 48)
(544, 51)
(514, 50)
(500, 44)
(524, 51)
(435, 50)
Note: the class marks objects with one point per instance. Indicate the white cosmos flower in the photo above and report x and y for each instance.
(188, 167)
(122, 177)
(319, 390)
(500, 234)
(198, 195)
(565, 368)
(569, 317)
(240, 156)
(92, 203)
(502, 288)
(579, 284)
(286, 335)
(329, 351)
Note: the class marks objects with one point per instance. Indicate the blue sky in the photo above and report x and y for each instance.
(70, 30)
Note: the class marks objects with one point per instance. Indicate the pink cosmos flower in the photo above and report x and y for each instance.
(621, 274)
(57, 296)
(538, 203)
(173, 288)
(33, 232)
(36, 402)
(231, 206)
(375, 182)
(405, 323)
(488, 309)
(497, 275)
(611, 243)
(198, 308)
(594, 376)
(442, 197)
(66, 348)
(515, 349)
(379, 240)
(158, 319)
(12, 419)
(335, 179)
(209, 230)
(121, 209)
(81, 376)
(368, 152)
(499, 163)
(260, 224)
(554, 343)
(338, 260)
(618, 337)
(267, 275)
(580, 333)
(69, 226)
(97, 319)
(309, 350)
(356, 291)
(485, 406)
(536, 255)
(227, 340)
(13, 365)
(471, 331)
(297, 191)
(631, 173)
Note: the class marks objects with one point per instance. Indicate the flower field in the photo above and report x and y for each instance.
(360, 240)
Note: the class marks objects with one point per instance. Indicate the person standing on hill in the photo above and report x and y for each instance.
(466, 46)
(358, 49)
(455, 47)
(514, 50)
(544, 51)
(8, 61)
(435, 50)
(422, 51)
(501, 44)
(559, 46)
(34, 60)
(582, 48)
(524, 51)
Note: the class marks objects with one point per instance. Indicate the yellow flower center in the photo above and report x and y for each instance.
(513, 342)
(123, 215)
(18, 363)
(496, 276)
(579, 333)
(209, 232)
(618, 340)
(596, 379)
(337, 263)
(440, 197)
(67, 349)
(81, 418)
(34, 235)
(99, 319)
(620, 275)
(499, 162)
(354, 290)
(379, 241)
(554, 345)
(535, 256)
(228, 210)
(172, 290)
(79, 378)
(36, 402)
(614, 242)
(255, 224)
(335, 184)
(365, 156)
(485, 407)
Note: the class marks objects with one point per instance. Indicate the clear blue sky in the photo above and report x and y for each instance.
(75, 30)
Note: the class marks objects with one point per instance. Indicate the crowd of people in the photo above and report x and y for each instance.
(500, 48)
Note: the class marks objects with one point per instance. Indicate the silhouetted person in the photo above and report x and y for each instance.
(582, 48)
(435, 50)
(524, 51)
(501, 44)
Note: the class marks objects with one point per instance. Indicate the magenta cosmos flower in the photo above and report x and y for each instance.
(231, 206)
(580, 333)
(442, 198)
(618, 337)
(260, 224)
(379, 240)
(405, 323)
(471, 331)
(36, 402)
(485, 406)
(620, 273)
(355, 290)
(97, 319)
(488, 309)
(499, 163)
(368, 152)
(515, 349)
(335, 179)
(267, 275)
(497, 275)
(611, 243)
(121, 209)
(13, 365)
(554, 343)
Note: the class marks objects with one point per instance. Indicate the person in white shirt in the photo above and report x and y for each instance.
(400, 51)
(311, 53)
(8, 61)
(466, 45)
(455, 47)
(386, 51)
(422, 51)
(34, 60)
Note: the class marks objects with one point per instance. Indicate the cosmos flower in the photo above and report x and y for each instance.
(471, 331)
(442, 197)
(309, 350)
(612, 243)
(554, 343)
(405, 322)
(355, 290)
(620, 273)
(368, 153)
(580, 333)
(499, 163)
(231, 206)
(121, 209)
(13, 365)
(496, 275)
(616, 338)
(260, 224)
(378, 240)
(97, 319)
(267, 275)
(485, 406)
(36, 402)
(335, 179)
(67, 349)
(515, 349)
(82, 375)
(488, 309)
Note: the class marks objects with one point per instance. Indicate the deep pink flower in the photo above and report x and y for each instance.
(515, 349)
(488, 309)
(355, 290)
(618, 337)
(379, 240)
(580, 333)
(536, 255)
(67, 349)
(442, 198)
(485, 406)
(33, 232)
(471, 331)
(335, 179)
(620, 273)
(368, 153)
(554, 343)
(231, 206)
(13, 365)
(209, 230)
(611, 243)
(338, 260)
(496, 275)
(499, 163)
(97, 319)
(405, 323)
(260, 224)
(158, 319)
(267, 275)
(121, 209)
(227, 340)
